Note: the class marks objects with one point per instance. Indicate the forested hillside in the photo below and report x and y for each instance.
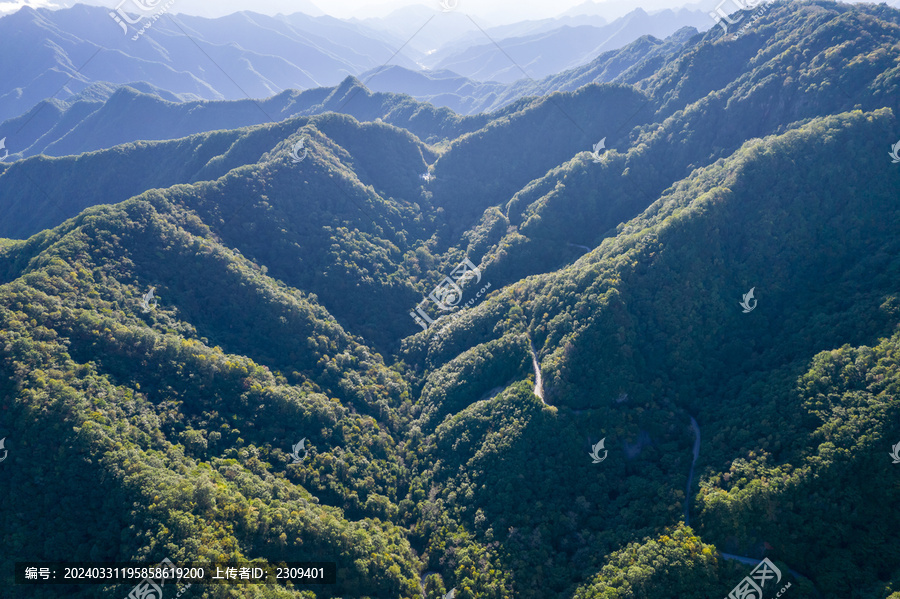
(677, 354)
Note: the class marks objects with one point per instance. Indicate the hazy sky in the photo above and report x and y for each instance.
(497, 11)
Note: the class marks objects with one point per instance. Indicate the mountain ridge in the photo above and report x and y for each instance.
(286, 286)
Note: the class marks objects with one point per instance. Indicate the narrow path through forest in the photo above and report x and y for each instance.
(538, 383)
(687, 500)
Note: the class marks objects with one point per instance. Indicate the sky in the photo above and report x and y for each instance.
(496, 11)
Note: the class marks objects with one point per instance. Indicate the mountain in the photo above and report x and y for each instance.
(548, 52)
(523, 28)
(228, 7)
(614, 9)
(248, 55)
(669, 358)
(607, 328)
(422, 28)
(244, 55)
(629, 64)
(249, 42)
(128, 115)
(104, 116)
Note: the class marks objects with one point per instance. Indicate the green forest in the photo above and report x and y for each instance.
(283, 295)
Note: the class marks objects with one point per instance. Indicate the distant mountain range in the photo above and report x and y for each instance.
(240, 56)
(613, 9)
(104, 115)
(465, 96)
(55, 55)
(551, 50)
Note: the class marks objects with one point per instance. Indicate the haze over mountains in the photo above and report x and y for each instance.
(695, 233)
(104, 115)
(544, 53)
(247, 55)
(493, 13)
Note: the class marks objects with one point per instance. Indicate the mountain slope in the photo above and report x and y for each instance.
(603, 327)
(160, 451)
(607, 328)
(735, 102)
(741, 280)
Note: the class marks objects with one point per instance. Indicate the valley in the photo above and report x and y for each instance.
(187, 291)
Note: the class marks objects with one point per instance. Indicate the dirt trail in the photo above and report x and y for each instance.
(538, 382)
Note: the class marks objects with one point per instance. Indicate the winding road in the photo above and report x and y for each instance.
(538, 383)
(687, 499)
